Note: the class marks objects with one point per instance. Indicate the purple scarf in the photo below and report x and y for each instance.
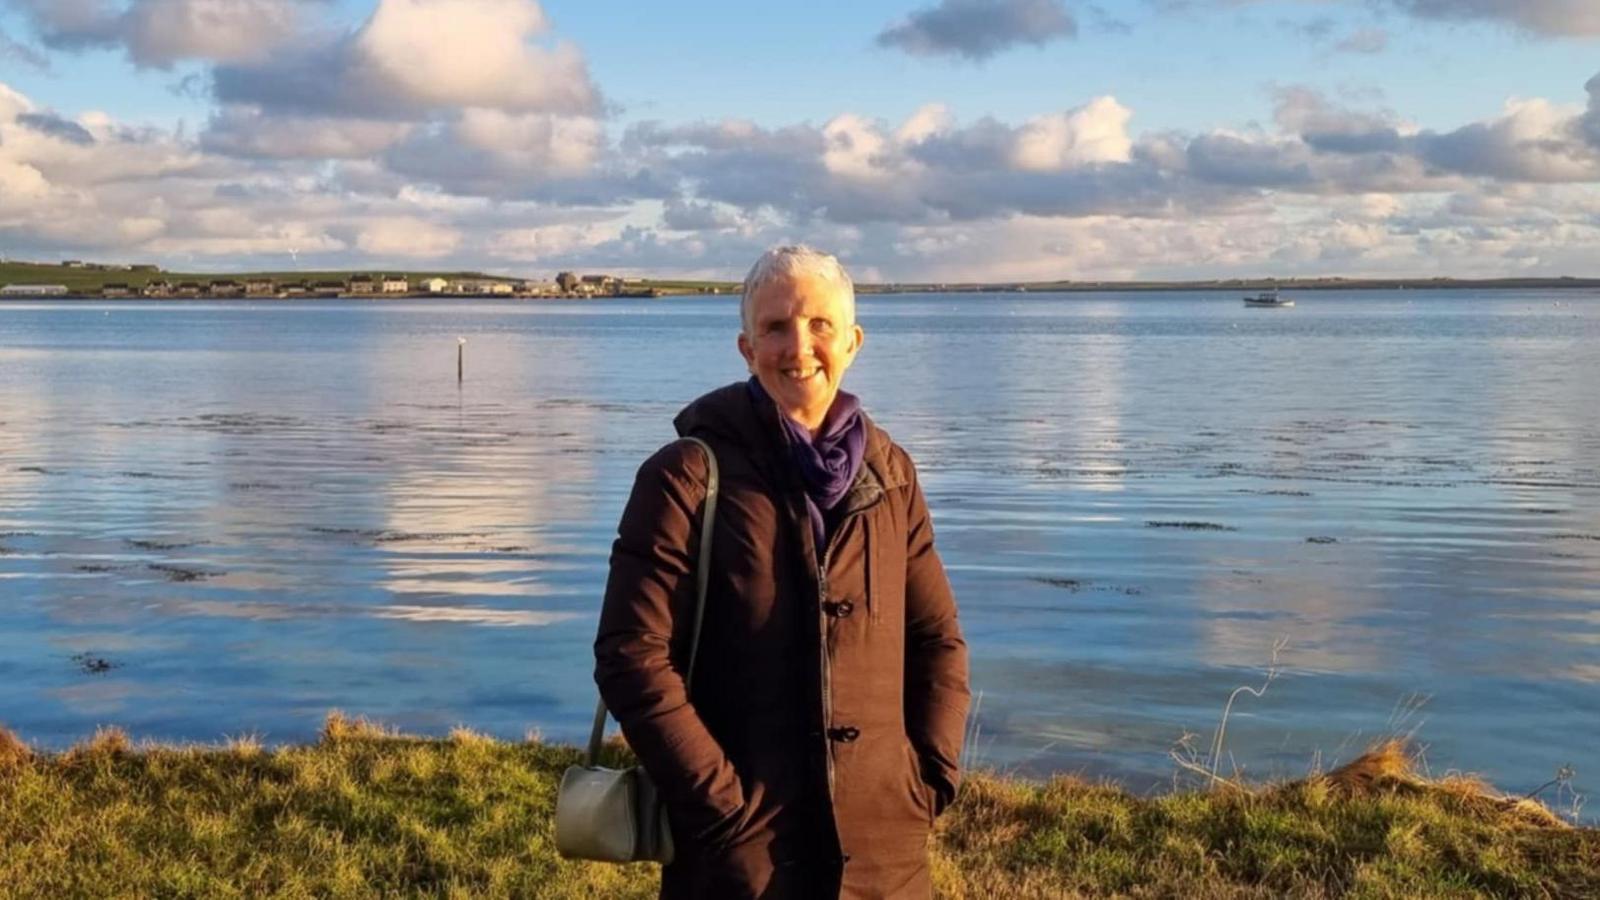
(829, 463)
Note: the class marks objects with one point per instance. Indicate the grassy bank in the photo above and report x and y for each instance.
(92, 280)
(364, 813)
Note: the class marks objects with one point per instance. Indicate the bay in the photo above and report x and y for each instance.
(231, 517)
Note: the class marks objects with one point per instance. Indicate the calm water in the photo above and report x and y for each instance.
(258, 512)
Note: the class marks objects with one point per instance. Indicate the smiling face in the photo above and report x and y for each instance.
(798, 341)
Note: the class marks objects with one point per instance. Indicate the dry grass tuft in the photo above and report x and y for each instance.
(108, 741)
(1389, 767)
(1385, 765)
(12, 750)
(466, 737)
(338, 727)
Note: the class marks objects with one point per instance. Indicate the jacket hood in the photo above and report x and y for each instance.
(732, 415)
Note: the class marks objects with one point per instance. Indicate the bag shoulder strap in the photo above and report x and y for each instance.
(702, 580)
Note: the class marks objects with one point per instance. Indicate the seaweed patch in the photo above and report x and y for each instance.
(91, 664)
(179, 573)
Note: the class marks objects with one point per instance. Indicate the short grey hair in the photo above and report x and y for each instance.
(796, 261)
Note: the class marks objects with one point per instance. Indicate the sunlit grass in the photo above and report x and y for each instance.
(367, 813)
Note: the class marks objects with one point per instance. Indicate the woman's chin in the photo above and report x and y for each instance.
(804, 408)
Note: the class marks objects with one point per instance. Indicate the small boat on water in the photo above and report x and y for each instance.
(1269, 298)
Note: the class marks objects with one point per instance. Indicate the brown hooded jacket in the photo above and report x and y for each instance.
(829, 700)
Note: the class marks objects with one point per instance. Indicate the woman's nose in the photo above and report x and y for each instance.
(798, 343)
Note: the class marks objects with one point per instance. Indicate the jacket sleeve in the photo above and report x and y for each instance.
(643, 643)
(936, 692)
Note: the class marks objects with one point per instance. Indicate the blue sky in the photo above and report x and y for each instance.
(943, 139)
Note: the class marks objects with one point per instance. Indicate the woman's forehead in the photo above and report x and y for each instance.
(804, 297)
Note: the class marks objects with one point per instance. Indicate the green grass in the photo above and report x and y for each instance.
(689, 286)
(367, 813)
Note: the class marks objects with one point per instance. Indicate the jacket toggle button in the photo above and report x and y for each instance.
(840, 610)
(844, 735)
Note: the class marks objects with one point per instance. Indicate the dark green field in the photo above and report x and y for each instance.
(92, 280)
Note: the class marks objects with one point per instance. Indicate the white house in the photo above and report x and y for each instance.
(484, 286)
(393, 284)
(434, 285)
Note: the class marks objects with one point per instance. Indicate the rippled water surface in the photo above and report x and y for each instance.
(219, 518)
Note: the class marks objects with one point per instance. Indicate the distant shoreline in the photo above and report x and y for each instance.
(646, 291)
(1245, 285)
(80, 280)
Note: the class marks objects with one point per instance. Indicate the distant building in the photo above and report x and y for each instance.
(394, 284)
(294, 289)
(116, 289)
(157, 288)
(567, 281)
(187, 289)
(434, 285)
(538, 288)
(600, 284)
(328, 288)
(34, 290)
(485, 287)
(260, 287)
(225, 287)
(72, 263)
(363, 284)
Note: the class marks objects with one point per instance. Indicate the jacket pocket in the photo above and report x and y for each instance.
(921, 792)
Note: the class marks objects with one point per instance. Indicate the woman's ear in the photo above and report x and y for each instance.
(746, 351)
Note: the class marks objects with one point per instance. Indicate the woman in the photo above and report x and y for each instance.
(830, 690)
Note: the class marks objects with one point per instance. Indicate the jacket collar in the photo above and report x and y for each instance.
(729, 414)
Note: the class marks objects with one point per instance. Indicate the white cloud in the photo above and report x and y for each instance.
(246, 131)
(1534, 140)
(1573, 18)
(158, 33)
(450, 53)
(553, 146)
(547, 242)
(929, 119)
(12, 103)
(854, 147)
(489, 153)
(416, 58)
(21, 186)
(1095, 133)
(683, 215)
(408, 238)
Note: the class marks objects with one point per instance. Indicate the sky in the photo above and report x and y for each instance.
(929, 140)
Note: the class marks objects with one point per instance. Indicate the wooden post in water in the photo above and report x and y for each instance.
(461, 354)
